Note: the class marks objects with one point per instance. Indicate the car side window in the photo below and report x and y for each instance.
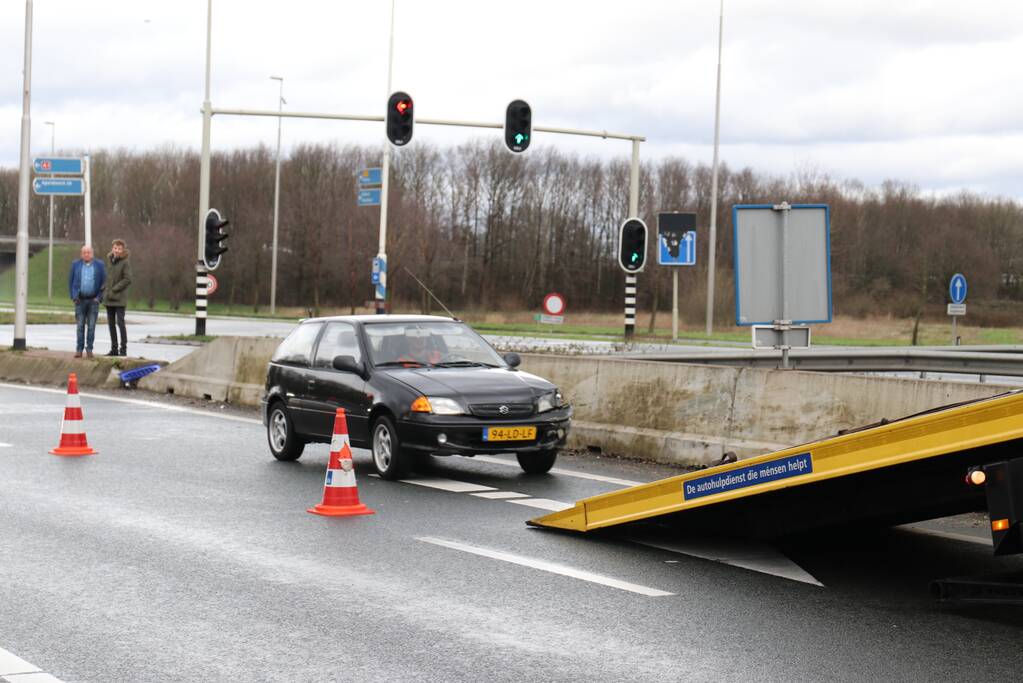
(298, 347)
(338, 340)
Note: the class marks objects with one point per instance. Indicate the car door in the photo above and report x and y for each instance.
(333, 389)
(294, 357)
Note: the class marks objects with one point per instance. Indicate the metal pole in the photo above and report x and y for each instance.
(88, 199)
(21, 241)
(277, 201)
(674, 304)
(49, 252)
(380, 293)
(204, 172)
(954, 319)
(712, 242)
(784, 323)
(631, 285)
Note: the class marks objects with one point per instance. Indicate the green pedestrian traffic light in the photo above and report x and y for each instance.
(518, 126)
(632, 245)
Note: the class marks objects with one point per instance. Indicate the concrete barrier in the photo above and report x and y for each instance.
(53, 367)
(665, 412)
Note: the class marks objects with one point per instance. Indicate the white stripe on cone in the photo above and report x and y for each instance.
(339, 440)
(73, 401)
(340, 479)
(72, 427)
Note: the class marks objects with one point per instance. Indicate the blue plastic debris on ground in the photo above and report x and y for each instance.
(135, 374)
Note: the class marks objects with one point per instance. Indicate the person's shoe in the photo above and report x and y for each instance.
(124, 351)
(112, 352)
(88, 354)
(78, 354)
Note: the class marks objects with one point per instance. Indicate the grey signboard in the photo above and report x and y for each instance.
(782, 263)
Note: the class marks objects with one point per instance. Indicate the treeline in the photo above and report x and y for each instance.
(485, 229)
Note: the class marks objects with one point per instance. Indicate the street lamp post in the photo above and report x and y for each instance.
(712, 242)
(277, 199)
(385, 181)
(49, 259)
(21, 240)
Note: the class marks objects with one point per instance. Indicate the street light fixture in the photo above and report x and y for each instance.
(277, 199)
(49, 259)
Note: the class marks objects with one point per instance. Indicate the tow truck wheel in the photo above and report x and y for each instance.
(285, 444)
(537, 463)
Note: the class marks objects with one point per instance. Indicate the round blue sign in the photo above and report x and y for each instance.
(957, 288)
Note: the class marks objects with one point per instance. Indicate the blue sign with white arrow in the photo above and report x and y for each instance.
(677, 251)
(370, 176)
(369, 197)
(59, 166)
(957, 288)
(59, 186)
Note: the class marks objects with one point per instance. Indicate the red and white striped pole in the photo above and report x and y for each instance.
(72, 427)
(340, 493)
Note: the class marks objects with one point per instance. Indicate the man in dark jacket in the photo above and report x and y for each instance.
(116, 295)
(85, 285)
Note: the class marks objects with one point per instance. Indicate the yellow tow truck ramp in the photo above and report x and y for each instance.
(954, 459)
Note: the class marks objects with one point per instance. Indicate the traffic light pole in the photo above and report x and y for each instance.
(204, 186)
(631, 280)
(380, 289)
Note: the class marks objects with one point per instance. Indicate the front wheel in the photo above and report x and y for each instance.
(537, 463)
(285, 444)
(388, 459)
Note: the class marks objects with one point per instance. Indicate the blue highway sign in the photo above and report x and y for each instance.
(957, 288)
(370, 176)
(59, 186)
(369, 197)
(58, 166)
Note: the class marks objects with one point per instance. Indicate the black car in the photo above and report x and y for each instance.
(409, 385)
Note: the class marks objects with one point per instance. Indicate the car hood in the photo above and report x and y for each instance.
(483, 385)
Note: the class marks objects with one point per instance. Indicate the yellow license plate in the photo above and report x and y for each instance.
(509, 433)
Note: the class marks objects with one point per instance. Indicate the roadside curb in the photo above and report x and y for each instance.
(38, 366)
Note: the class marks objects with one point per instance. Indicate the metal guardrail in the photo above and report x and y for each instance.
(999, 360)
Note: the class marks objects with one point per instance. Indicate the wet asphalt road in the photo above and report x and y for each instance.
(183, 551)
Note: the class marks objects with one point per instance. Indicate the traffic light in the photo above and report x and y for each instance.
(518, 126)
(215, 235)
(399, 119)
(632, 245)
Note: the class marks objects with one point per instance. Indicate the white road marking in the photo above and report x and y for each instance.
(979, 540)
(447, 484)
(501, 495)
(6, 445)
(753, 555)
(545, 566)
(543, 504)
(17, 670)
(557, 470)
(138, 402)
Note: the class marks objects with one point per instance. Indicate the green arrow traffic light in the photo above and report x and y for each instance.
(520, 138)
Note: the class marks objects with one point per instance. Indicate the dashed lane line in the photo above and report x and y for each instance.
(546, 566)
(543, 504)
(447, 484)
(557, 470)
(501, 495)
(16, 670)
(6, 445)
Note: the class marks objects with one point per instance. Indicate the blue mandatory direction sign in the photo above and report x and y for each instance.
(370, 176)
(761, 473)
(59, 165)
(369, 197)
(957, 288)
(58, 186)
(677, 251)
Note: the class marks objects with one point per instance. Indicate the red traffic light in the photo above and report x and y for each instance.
(403, 105)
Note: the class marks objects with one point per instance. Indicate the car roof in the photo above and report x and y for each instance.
(382, 319)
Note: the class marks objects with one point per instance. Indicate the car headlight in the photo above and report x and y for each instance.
(549, 401)
(445, 406)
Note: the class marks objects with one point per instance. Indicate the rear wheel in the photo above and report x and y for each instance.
(285, 444)
(537, 463)
(388, 460)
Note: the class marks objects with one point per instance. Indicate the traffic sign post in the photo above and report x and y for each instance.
(676, 246)
(957, 292)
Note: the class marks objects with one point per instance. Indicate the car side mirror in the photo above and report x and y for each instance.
(349, 364)
(513, 359)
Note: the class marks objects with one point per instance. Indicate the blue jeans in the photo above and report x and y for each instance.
(86, 311)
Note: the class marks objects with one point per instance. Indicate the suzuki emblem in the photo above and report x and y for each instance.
(503, 410)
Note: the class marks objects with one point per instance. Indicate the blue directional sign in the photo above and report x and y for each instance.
(58, 186)
(59, 166)
(378, 264)
(370, 176)
(676, 239)
(369, 197)
(957, 288)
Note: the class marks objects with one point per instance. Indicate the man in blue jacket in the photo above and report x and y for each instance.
(85, 284)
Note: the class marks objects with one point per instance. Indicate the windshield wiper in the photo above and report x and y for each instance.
(400, 364)
(464, 364)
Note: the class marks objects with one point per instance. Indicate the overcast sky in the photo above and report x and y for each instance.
(926, 92)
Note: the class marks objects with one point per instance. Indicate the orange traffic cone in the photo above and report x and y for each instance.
(340, 494)
(72, 427)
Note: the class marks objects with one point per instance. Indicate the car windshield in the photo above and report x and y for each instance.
(433, 344)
